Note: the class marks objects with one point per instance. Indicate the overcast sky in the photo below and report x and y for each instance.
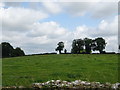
(37, 27)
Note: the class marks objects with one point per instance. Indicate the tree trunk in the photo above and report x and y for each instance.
(59, 51)
(100, 51)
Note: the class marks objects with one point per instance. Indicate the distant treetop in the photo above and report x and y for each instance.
(9, 51)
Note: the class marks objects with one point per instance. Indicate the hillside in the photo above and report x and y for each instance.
(40, 68)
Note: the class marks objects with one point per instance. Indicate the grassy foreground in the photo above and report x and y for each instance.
(40, 68)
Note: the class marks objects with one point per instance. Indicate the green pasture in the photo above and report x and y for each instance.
(26, 70)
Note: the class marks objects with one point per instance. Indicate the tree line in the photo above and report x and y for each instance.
(85, 45)
(9, 51)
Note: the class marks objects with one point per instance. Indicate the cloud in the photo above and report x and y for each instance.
(104, 9)
(52, 7)
(81, 32)
(106, 29)
(51, 29)
(2, 4)
(95, 9)
(12, 4)
(19, 18)
(98, 9)
(76, 8)
(112, 43)
(23, 27)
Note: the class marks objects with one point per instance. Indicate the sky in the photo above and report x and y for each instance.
(37, 27)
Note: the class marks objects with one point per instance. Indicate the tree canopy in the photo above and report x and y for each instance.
(99, 44)
(87, 45)
(60, 47)
(9, 51)
(77, 45)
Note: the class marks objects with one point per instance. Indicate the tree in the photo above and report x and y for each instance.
(88, 45)
(18, 52)
(60, 47)
(74, 47)
(80, 44)
(77, 46)
(7, 50)
(99, 44)
(65, 51)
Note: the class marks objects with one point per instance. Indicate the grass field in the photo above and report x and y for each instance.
(40, 68)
